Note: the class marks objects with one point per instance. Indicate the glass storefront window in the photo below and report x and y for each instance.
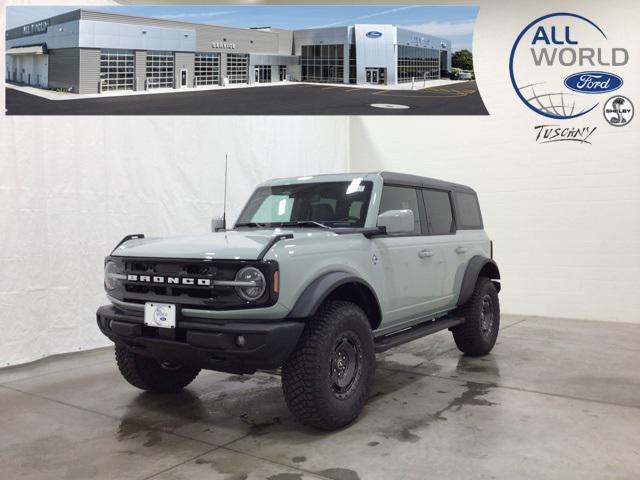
(418, 63)
(323, 63)
(263, 73)
(352, 64)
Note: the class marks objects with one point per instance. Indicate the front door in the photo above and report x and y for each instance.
(373, 76)
(183, 77)
(412, 270)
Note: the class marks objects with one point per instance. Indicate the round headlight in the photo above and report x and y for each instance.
(111, 275)
(254, 284)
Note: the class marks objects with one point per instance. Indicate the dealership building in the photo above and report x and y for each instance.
(85, 52)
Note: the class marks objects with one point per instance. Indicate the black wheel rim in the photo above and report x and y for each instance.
(486, 316)
(345, 364)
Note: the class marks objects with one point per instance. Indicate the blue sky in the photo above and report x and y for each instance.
(453, 22)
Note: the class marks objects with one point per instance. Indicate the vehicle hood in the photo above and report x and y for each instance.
(229, 245)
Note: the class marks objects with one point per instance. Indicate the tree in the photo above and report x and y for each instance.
(462, 59)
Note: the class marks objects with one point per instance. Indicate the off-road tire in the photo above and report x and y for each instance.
(310, 390)
(472, 337)
(148, 374)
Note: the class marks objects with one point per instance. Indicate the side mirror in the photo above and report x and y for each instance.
(217, 224)
(397, 221)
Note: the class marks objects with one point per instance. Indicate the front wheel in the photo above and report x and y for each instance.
(479, 332)
(151, 375)
(326, 379)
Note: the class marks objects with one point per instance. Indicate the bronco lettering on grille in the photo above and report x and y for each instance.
(201, 282)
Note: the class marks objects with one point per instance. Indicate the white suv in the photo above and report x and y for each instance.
(318, 274)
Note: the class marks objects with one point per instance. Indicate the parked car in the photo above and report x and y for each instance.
(466, 75)
(318, 275)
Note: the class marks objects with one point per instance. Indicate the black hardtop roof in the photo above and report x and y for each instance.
(417, 181)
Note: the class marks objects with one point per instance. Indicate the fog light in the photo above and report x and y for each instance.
(240, 340)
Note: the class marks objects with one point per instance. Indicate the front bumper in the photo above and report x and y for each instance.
(203, 342)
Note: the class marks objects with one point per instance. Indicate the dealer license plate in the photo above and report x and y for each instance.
(161, 315)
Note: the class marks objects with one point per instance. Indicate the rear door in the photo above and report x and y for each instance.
(442, 241)
(471, 238)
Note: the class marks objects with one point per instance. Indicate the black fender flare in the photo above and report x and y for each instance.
(471, 274)
(318, 291)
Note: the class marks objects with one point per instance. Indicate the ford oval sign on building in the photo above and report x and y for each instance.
(593, 82)
(374, 34)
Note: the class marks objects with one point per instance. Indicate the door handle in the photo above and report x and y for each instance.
(461, 250)
(425, 253)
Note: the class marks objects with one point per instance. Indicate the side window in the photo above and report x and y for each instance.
(439, 213)
(401, 198)
(468, 211)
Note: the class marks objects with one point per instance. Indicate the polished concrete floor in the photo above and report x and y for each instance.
(556, 399)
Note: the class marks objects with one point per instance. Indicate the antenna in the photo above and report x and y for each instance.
(224, 205)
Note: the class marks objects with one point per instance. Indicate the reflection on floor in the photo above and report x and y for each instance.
(555, 399)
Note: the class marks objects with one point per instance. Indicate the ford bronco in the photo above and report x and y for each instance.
(318, 275)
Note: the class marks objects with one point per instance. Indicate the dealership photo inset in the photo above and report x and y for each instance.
(249, 60)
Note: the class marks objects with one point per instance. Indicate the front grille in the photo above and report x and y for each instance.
(208, 296)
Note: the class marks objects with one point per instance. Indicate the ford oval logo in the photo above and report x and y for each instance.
(374, 34)
(593, 82)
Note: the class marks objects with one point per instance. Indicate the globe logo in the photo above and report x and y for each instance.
(557, 64)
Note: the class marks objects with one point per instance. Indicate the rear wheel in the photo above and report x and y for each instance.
(151, 375)
(479, 332)
(326, 379)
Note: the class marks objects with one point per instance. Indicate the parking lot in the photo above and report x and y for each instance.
(297, 99)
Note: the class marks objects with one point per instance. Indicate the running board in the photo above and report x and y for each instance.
(382, 344)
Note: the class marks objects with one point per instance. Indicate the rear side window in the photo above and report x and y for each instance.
(439, 212)
(401, 198)
(468, 211)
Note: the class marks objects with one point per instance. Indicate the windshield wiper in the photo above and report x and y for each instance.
(314, 223)
(303, 223)
(249, 224)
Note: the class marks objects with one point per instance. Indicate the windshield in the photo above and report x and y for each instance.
(330, 204)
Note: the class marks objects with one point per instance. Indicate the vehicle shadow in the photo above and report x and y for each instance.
(231, 407)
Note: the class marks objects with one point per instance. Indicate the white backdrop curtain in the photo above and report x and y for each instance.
(71, 188)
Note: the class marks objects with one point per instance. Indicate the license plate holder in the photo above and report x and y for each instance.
(160, 315)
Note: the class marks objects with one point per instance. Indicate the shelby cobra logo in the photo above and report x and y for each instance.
(550, 46)
(201, 282)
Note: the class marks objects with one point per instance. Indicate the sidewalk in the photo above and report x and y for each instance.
(417, 85)
(54, 95)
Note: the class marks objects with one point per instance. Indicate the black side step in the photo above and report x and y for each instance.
(382, 344)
